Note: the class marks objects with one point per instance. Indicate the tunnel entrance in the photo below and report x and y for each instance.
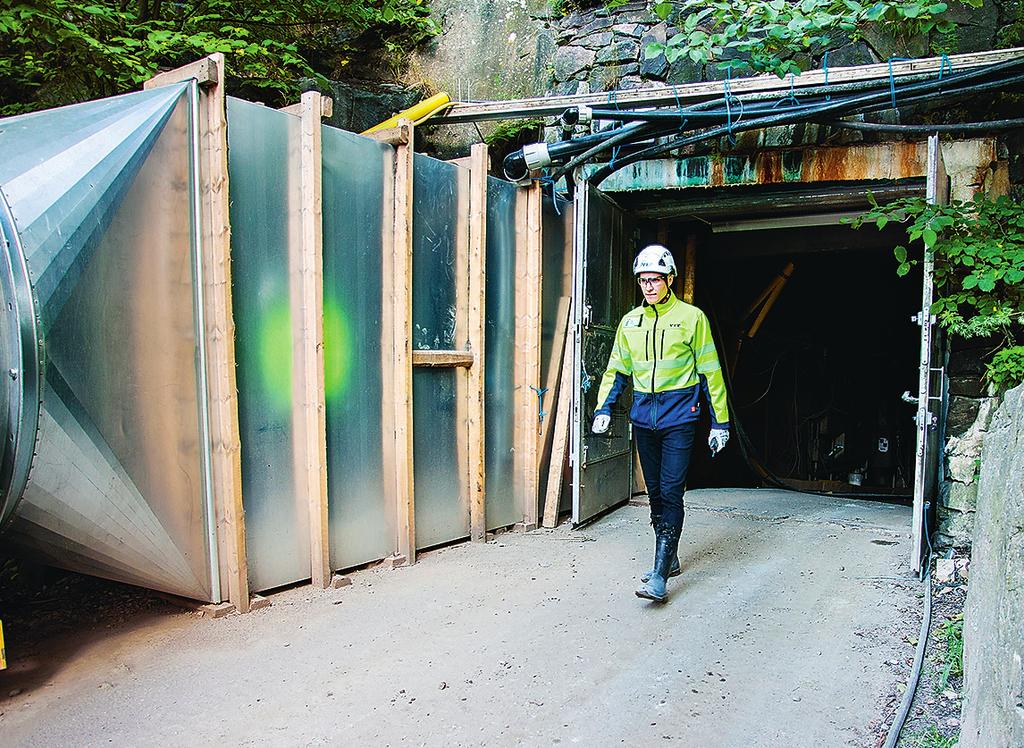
(815, 331)
(835, 387)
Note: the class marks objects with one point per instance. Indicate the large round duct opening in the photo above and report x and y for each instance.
(19, 369)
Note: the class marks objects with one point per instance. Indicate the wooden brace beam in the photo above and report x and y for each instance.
(439, 359)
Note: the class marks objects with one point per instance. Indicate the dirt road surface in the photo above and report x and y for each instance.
(787, 628)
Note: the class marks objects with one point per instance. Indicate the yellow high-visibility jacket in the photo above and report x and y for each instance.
(668, 350)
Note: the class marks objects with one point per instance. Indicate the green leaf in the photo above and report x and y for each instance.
(882, 220)
(901, 253)
(929, 237)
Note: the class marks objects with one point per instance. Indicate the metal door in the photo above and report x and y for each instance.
(931, 377)
(603, 249)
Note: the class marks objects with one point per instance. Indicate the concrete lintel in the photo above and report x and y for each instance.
(893, 160)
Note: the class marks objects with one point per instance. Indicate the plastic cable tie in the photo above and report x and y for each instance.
(892, 78)
(946, 62)
(824, 63)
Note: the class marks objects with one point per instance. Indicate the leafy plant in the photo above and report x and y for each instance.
(978, 252)
(61, 51)
(1006, 369)
(769, 36)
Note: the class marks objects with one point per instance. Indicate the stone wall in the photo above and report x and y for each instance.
(993, 710)
(967, 420)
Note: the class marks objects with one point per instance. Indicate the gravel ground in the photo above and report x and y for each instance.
(787, 627)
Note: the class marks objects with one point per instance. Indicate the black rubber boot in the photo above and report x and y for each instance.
(668, 545)
(676, 569)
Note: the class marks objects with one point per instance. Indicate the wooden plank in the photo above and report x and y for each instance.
(307, 294)
(475, 469)
(554, 373)
(462, 219)
(206, 72)
(527, 355)
(443, 359)
(556, 466)
(388, 376)
(398, 421)
(690, 269)
(395, 136)
(225, 441)
(694, 92)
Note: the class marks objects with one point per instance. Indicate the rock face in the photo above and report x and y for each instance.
(966, 421)
(993, 711)
(358, 108)
(492, 49)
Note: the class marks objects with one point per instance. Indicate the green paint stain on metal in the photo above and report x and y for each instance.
(693, 171)
(275, 355)
(737, 170)
(337, 350)
(792, 165)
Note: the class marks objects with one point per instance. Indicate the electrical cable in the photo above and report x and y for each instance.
(644, 124)
(900, 718)
(871, 101)
(865, 102)
(996, 124)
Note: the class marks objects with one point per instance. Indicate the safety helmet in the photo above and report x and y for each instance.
(654, 258)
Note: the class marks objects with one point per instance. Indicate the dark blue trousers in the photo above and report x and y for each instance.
(665, 458)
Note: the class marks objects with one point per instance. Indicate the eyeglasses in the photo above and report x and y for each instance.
(649, 282)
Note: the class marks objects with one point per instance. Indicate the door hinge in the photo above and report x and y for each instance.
(916, 318)
(586, 315)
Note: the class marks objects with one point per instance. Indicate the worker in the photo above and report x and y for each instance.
(665, 345)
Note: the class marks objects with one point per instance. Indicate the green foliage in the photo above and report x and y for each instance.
(952, 631)
(510, 131)
(1006, 369)
(978, 249)
(61, 51)
(769, 36)
(932, 738)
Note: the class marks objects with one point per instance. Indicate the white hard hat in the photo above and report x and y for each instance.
(654, 258)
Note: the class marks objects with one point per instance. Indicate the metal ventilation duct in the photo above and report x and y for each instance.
(102, 459)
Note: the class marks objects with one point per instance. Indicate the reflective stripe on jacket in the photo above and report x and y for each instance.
(668, 350)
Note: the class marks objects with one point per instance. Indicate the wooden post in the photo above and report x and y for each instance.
(553, 377)
(307, 303)
(475, 476)
(690, 269)
(396, 349)
(527, 356)
(562, 414)
(222, 391)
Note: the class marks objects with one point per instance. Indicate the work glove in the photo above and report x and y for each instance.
(601, 423)
(717, 440)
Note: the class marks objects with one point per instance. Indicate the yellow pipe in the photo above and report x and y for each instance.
(417, 113)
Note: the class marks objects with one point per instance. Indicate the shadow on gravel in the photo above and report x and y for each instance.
(50, 617)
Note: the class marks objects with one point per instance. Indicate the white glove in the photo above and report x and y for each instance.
(717, 440)
(601, 423)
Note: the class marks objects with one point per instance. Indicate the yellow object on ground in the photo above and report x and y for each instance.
(3, 648)
(417, 113)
